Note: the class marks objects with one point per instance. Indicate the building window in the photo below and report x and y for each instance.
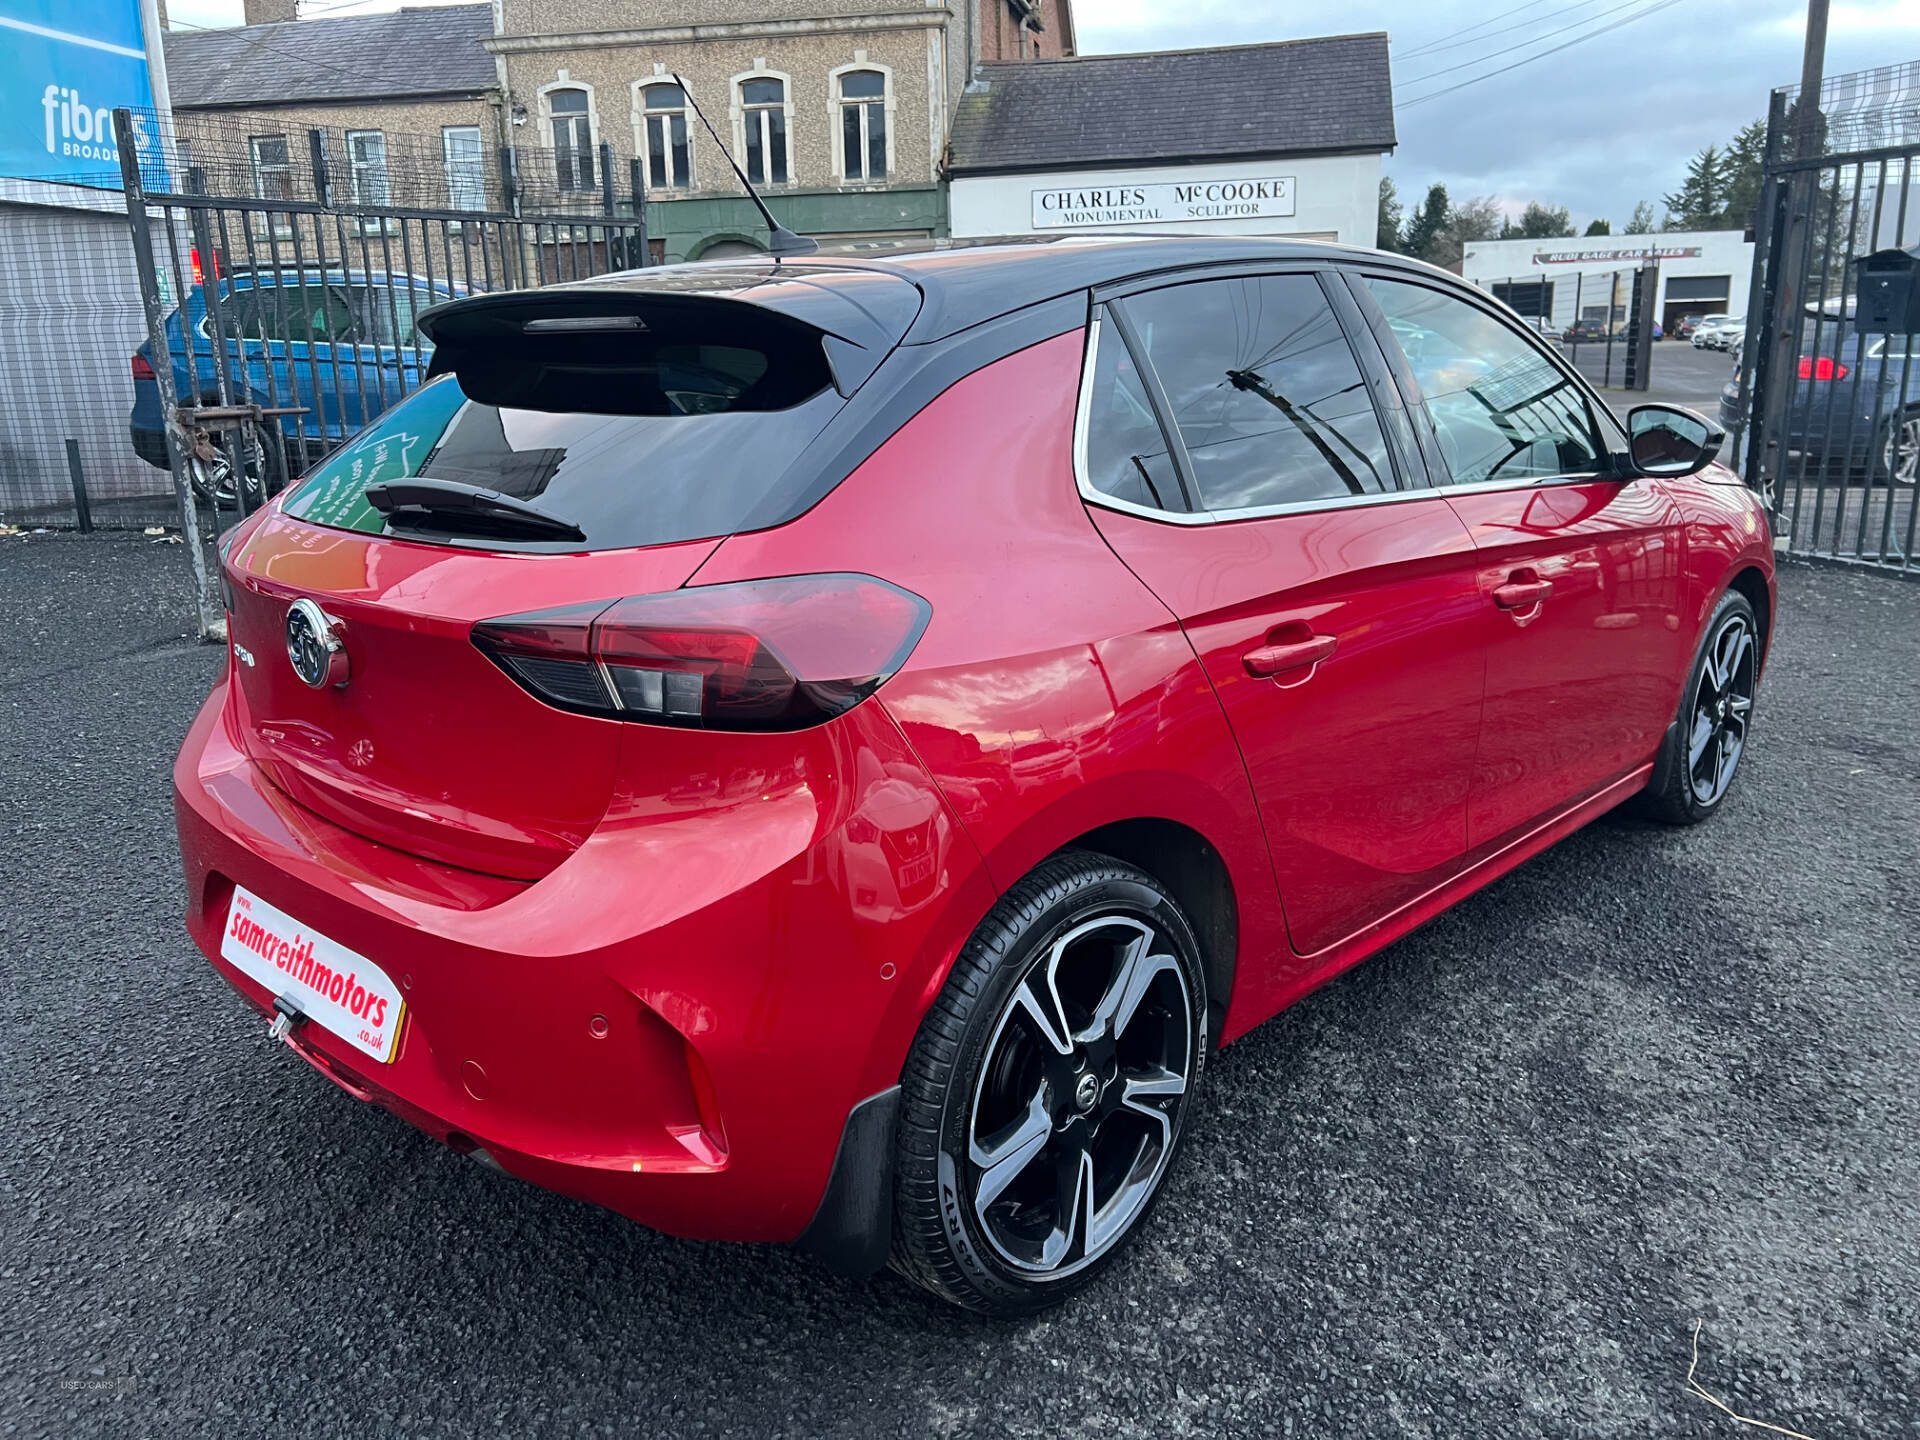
(572, 139)
(465, 167)
(663, 137)
(863, 125)
(763, 112)
(272, 167)
(367, 165)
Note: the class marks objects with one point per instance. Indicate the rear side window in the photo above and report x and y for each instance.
(1270, 403)
(699, 468)
(1500, 408)
(1127, 457)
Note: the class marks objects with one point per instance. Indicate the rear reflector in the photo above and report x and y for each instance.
(759, 655)
(1821, 367)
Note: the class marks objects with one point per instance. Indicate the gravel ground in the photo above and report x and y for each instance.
(1483, 1185)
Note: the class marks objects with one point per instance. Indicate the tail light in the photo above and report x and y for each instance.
(759, 655)
(142, 367)
(1821, 367)
(194, 266)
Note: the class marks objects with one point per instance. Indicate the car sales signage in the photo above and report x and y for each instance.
(1624, 254)
(65, 65)
(1075, 207)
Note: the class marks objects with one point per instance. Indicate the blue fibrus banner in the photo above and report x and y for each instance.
(64, 67)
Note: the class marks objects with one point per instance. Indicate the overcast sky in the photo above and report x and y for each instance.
(1595, 127)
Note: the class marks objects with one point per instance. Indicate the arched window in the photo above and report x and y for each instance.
(863, 125)
(663, 137)
(763, 114)
(572, 138)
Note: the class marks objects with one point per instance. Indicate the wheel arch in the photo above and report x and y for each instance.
(1753, 584)
(1192, 871)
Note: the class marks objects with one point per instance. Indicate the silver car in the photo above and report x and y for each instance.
(1706, 335)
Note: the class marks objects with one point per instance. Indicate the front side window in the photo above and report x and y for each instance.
(302, 313)
(466, 170)
(1500, 408)
(763, 107)
(1272, 407)
(572, 140)
(367, 161)
(272, 167)
(863, 125)
(664, 137)
(387, 311)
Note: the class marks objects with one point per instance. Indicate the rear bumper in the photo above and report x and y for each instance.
(675, 1024)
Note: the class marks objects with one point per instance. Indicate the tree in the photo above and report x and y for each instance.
(1478, 219)
(1599, 227)
(1642, 221)
(1428, 222)
(1701, 198)
(1538, 222)
(1741, 174)
(1390, 211)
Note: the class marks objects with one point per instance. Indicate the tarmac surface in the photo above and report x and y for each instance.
(1484, 1184)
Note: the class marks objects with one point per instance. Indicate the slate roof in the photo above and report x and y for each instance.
(1299, 96)
(399, 53)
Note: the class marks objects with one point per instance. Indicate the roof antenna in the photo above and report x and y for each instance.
(780, 240)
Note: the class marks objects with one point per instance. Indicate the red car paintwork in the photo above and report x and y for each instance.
(657, 967)
(1580, 685)
(1393, 587)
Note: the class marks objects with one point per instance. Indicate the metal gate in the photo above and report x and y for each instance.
(1835, 409)
(282, 321)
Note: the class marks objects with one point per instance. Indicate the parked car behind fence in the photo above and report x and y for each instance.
(338, 345)
(1855, 402)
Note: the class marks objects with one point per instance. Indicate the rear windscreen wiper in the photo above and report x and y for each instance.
(425, 503)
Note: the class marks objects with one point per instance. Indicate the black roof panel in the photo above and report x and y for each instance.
(960, 286)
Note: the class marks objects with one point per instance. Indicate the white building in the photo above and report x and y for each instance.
(1702, 272)
(1279, 139)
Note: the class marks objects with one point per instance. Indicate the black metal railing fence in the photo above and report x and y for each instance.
(1834, 404)
(277, 326)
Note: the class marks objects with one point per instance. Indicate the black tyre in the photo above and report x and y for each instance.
(1045, 1097)
(1696, 767)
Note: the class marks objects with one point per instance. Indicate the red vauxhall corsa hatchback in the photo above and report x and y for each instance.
(823, 751)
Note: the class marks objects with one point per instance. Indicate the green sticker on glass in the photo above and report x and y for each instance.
(392, 448)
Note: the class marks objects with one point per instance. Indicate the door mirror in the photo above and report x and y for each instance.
(1667, 440)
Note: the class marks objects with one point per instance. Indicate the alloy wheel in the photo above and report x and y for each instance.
(1722, 707)
(1900, 455)
(1080, 1096)
(212, 479)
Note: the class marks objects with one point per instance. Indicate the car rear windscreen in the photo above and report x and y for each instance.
(629, 441)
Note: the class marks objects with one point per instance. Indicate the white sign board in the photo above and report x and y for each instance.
(1084, 207)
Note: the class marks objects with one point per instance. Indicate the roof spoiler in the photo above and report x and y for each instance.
(483, 333)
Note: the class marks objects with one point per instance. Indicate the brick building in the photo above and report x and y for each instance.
(839, 110)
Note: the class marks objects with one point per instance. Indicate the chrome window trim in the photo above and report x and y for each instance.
(1083, 483)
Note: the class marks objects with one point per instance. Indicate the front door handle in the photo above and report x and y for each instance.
(1518, 593)
(1289, 655)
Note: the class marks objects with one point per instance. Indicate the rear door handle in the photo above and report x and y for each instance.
(1290, 655)
(1519, 594)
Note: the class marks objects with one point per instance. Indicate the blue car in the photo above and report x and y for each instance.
(339, 344)
(1855, 405)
